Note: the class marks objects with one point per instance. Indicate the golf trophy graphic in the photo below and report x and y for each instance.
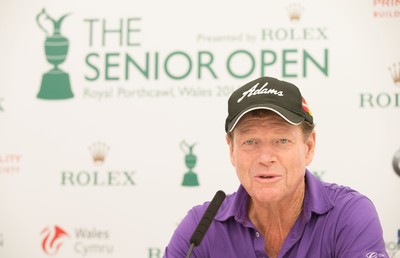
(190, 177)
(55, 83)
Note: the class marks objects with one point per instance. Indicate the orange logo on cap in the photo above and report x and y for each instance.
(305, 107)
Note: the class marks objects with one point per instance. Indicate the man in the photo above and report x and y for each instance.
(280, 208)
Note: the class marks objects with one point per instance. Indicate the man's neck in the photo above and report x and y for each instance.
(275, 220)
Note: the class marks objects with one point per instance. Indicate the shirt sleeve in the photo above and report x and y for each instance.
(359, 232)
(179, 243)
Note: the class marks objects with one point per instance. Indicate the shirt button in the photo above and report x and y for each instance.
(257, 234)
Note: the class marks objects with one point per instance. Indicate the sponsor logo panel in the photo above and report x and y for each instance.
(82, 241)
(98, 175)
(118, 63)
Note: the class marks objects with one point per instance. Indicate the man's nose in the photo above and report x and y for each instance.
(267, 154)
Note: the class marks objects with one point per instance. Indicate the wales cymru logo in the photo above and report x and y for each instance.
(53, 239)
(55, 83)
(190, 177)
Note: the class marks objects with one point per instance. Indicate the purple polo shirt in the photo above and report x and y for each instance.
(335, 221)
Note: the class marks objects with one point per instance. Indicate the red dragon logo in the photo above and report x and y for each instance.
(53, 239)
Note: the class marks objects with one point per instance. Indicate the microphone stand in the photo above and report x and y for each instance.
(190, 250)
(205, 221)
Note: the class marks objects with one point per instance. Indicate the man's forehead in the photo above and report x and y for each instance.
(254, 119)
(261, 114)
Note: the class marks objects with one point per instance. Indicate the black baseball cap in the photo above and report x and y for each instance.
(269, 93)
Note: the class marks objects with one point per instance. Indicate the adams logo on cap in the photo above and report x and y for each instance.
(263, 90)
(281, 97)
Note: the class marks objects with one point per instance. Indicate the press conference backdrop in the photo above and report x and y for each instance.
(112, 112)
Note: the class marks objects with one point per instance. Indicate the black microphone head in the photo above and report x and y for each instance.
(207, 218)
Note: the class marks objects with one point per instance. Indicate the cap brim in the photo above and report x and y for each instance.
(288, 115)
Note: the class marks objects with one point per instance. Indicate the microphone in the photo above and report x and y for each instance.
(205, 221)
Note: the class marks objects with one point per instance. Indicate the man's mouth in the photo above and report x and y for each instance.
(267, 176)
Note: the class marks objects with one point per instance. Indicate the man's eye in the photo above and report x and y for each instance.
(249, 142)
(283, 141)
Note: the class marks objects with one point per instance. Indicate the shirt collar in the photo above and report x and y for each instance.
(315, 200)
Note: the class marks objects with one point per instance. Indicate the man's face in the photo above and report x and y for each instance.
(270, 157)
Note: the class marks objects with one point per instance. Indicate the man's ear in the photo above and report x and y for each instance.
(229, 141)
(310, 147)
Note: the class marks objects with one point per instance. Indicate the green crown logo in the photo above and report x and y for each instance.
(55, 83)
